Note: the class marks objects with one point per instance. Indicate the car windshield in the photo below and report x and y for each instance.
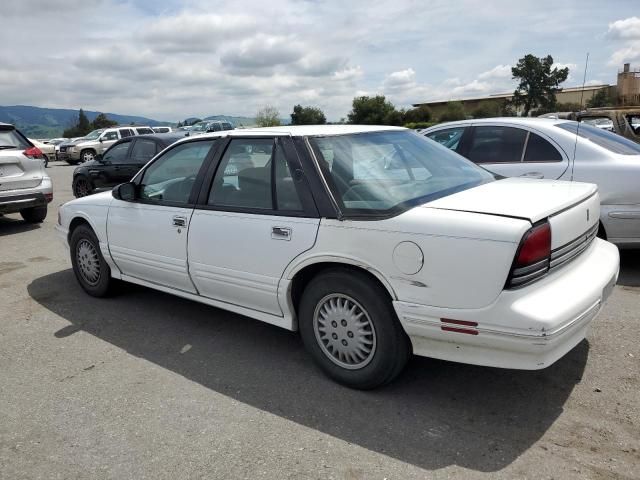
(382, 173)
(611, 141)
(93, 135)
(198, 127)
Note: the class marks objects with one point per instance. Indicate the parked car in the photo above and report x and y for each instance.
(48, 150)
(56, 145)
(86, 148)
(545, 148)
(25, 187)
(207, 126)
(371, 255)
(119, 163)
(624, 121)
(162, 129)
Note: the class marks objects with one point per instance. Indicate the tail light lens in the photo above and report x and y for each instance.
(33, 152)
(532, 258)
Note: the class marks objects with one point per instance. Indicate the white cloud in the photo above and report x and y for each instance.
(628, 54)
(629, 28)
(499, 71)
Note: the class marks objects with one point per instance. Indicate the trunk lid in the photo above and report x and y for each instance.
(573, 208)
(530, 199)
(18, 171)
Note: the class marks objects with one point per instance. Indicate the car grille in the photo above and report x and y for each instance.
(63, 149)
(571, 250)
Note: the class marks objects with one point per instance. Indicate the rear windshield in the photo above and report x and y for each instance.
(12, 139)
(386, 173)
(611, 141)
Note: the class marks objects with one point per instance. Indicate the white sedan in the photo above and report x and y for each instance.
(546, 148)
(373, 242)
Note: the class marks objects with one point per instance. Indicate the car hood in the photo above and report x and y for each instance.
(529, 199)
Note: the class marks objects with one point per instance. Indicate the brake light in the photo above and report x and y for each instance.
(533, 256)
(33, 152)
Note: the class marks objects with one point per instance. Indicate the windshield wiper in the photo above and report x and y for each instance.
(3, 147)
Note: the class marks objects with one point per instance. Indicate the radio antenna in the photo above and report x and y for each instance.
(575, 145)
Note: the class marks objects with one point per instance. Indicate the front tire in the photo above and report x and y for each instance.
(89, 266)
(87, 155)
(81, 186)
(349, 327)
(34, 214)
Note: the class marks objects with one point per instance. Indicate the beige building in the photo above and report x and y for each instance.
(627, 92)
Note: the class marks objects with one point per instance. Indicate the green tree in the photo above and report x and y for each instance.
(370, 110)
(538, 82)
(307, 116)
(268, 116)
(80, 128)
(601, 99)
(101, 121)
(454, 111)
(418, 115)
(394, 117)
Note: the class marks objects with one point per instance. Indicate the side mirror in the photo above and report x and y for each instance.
(101, 140)
(125, 192)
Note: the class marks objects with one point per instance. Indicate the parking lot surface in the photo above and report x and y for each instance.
(148, 385)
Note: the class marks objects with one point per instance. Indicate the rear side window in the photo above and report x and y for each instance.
(143, 150)
(144, 131)
(497, 144)
(449, 137)
(12, 139)
(611, 141)
(540, 150)
(125, 132)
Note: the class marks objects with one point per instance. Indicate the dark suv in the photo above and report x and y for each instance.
(120, 162)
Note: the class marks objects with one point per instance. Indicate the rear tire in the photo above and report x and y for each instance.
(34, 214)
(89, 266)
(350, 329)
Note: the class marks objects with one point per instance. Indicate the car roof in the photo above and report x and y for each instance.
(303, 130)
(165, 138)
(525, 121)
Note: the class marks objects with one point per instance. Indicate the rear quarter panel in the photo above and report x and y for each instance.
(467, 256)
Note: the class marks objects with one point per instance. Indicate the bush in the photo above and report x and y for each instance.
(419, 125)
(454, 111)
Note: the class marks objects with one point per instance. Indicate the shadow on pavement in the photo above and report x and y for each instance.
(629, 268)
(10, 226)
(436, 414)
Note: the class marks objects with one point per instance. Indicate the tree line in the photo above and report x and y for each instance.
(82, 126)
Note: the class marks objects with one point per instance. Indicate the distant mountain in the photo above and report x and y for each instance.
(39, 122)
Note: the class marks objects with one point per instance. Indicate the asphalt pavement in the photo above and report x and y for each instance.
(145, 385)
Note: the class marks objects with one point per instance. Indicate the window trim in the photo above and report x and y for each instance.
(309, 209)
(137, 179)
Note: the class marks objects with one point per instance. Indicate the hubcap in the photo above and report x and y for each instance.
(87, 157)
(88, 261)
(344, 331)
(82, 188)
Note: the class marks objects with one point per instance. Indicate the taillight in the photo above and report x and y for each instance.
(48, 197)
(33, 152)
(532, 258)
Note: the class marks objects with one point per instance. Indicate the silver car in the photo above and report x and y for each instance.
(24, 185)
(546, 148)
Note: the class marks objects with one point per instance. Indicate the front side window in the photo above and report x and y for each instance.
(171, 177)
(143, 150)
(389, 172)
(117, 154)
(94, 135)
(611, 141)
(497, 144)
(449, 137)
(540, 150)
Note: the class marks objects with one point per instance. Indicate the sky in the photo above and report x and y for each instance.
(169, 59)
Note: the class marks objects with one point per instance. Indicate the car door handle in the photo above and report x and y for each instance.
(179, 221)
(281, 233)
(533, 175)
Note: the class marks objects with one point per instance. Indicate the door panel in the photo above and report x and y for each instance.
(145, 243)
(239, 258)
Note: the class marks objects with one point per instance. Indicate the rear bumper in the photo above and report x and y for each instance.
(12, 201)
(529, 328)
